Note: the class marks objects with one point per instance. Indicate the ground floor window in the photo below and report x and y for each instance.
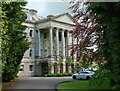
(31, 68)
(21, 68)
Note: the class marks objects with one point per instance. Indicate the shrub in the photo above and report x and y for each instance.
(65, 74)
(70, 74)
(50, 75)
(101, 78)
(58, 75)
(53, 74)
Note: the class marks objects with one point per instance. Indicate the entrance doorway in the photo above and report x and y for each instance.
(55, 68)
(44, 68)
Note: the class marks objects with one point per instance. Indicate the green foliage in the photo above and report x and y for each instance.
(60, 60)
(65, 74)
(50, 75)
(59, 74)
(108, 18)
(70, 61)
(84, 62)
(79, 86)
(14, 41)
(70, 74)
(101, 78)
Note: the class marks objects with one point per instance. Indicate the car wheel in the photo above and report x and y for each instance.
(87, 78)
(74, 77)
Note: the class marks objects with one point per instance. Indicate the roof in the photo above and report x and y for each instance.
(53, 18)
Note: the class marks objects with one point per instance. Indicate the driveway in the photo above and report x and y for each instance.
(41, 83)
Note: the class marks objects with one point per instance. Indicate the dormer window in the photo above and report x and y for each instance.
(31, 33)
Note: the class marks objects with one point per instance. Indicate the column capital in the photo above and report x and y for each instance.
(40, 29)
(63, 30)
(56, 28)
(51, 27)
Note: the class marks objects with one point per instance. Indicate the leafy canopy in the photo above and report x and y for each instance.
(14, 42)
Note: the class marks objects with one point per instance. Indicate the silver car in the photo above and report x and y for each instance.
(83, 75)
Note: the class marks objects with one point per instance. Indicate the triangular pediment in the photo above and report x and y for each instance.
(66, 18)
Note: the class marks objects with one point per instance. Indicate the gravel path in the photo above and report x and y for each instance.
(37, 83)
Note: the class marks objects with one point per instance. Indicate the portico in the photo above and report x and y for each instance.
(50, 44)
(58, 40)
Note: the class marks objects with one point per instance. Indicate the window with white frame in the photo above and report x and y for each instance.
(21, 68)
(31, 33)
(31, 68)
(31, 53)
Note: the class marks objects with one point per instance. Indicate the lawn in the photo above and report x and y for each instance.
(82, 85)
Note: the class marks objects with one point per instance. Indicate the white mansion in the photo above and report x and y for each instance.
(48, 52)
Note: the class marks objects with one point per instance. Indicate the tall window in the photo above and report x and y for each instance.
(59, 37)
(46, 53)
(31, 68)
(21, 68)
(31, 33)
(45, 35)
(31, 52)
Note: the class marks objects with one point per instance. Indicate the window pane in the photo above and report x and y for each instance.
(31, 67)
(31, 31)
(21, 67)
(30, 52)
(45, 35)
(46, 53)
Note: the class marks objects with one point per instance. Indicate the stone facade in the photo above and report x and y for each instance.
(49, 51)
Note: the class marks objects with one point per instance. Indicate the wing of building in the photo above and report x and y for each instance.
(49, 51)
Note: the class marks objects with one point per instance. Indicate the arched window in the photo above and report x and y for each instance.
(31, 53)
(31, 33)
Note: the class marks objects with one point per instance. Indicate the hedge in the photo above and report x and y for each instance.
(58, 75)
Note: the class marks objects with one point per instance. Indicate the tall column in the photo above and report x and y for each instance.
(64, 67)
(63, 44)
(68, 54)
(58, 67)
(73, 42)
(51, 42)
(69, 68)
(39, 44)
(52, 68)
(57, 42)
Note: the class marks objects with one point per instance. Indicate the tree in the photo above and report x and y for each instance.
(86, 34)
(14, 41)
(106, 16)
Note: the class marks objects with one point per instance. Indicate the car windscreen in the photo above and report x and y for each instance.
(84, 73)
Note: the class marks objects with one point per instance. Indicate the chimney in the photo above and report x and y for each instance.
(33, 12)
(50, 16)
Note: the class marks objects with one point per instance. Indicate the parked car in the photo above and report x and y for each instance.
(83, 75)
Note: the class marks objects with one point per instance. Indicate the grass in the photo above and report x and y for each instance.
(78, 86)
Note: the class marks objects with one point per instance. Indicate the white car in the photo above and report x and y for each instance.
(83, 75)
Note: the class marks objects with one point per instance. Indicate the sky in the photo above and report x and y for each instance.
(45, 7)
